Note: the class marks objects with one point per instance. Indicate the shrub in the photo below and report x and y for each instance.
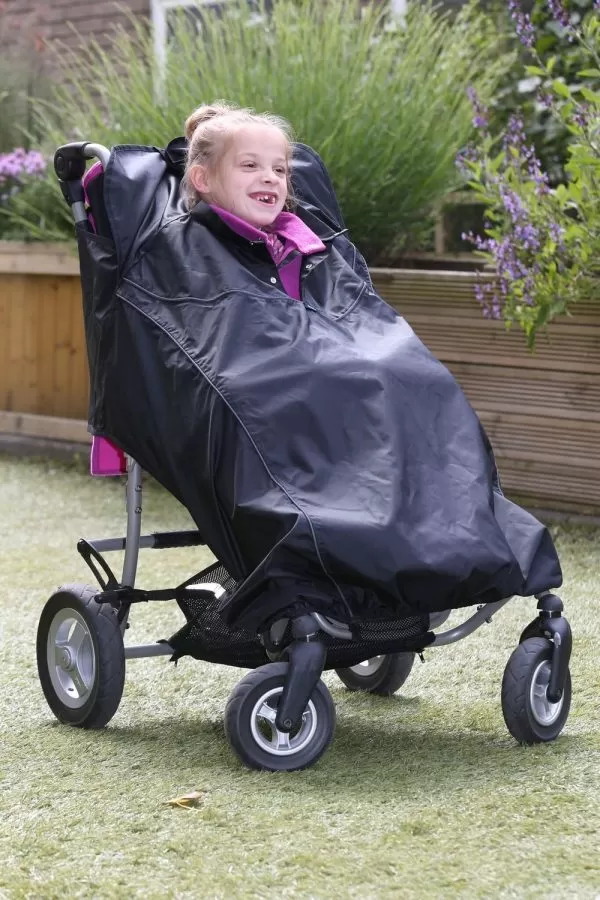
(382, 102)
(544, 242)
(552, 39)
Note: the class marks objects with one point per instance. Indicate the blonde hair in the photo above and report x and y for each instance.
(208, 129)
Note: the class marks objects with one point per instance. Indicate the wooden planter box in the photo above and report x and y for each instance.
(43, 364)
(541, 410)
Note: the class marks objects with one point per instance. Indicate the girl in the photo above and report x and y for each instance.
(239, 164)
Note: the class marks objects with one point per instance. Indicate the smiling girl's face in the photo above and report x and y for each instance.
(251, 178)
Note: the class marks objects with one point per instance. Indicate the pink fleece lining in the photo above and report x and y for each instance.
(295, 236)
(96, 169)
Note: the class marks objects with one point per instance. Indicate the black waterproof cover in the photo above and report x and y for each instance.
(329, 460)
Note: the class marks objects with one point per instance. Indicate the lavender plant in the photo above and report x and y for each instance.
(17, 169)
(543, 242)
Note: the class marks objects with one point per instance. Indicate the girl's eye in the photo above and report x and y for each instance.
(248, 165)
(280, 171)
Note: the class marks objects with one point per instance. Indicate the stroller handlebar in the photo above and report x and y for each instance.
(70, 159)
(69, 165)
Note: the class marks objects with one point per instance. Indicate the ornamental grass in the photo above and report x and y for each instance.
(384, 102)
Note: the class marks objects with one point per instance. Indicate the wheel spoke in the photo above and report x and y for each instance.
(267, 712)
(78, 682)
(78, 637)
(282, 740)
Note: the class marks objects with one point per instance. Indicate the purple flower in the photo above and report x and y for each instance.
(480, 113)
(468, 154)
(15, 166)
(559, 13)
(581, 116)
(523, 25)
(486, 296)
(515, 138)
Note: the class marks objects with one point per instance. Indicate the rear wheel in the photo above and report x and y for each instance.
(80, 657)
(379, 675)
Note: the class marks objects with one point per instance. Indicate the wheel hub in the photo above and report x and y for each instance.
(71, 658)
(543, 710)
(65, 659)
(269, 737)
(368, 666)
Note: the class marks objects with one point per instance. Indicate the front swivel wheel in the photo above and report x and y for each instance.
(250, 723)
(530, 716)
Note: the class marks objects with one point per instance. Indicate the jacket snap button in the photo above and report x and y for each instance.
(273, 280)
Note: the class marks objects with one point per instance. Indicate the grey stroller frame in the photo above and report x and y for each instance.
(280, 716)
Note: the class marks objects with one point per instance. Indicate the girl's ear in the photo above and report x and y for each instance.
(198, 178)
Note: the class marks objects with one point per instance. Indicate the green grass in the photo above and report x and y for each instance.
(422, 795)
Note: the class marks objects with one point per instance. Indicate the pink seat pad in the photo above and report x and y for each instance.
(106, 459)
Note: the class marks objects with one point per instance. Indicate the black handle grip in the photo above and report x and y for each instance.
(70, 162)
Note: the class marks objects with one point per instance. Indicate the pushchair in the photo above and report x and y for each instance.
(281, 715)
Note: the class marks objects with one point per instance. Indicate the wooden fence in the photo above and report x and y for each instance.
(541, 410)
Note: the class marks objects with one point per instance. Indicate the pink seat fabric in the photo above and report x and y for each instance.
(106, 459)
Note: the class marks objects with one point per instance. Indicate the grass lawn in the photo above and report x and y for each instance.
(421, 795)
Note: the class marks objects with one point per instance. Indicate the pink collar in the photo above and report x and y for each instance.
(288, 226)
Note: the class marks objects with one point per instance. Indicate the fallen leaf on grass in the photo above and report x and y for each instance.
(188, 801)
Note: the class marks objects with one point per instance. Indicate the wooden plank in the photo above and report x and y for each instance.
(5, 339)
(49, 427)
(557, 487)
(564, 395)
(28, 375)
(540, 440)
(17, 289)
(573, 347)
(79, 378)
(46, 339)
(62, 350)
(18, 258)
(414, 291)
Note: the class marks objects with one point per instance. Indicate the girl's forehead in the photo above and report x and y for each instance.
(259, 139)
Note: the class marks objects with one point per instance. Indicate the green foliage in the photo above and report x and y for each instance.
(383, 103)
(544, 243)
(567, 58)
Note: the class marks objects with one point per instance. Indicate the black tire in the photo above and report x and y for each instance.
(529, 716)
(384, 677)
(253, 737)
(534, 629)
(83, 688)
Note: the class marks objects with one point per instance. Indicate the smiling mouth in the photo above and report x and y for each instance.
(266, 199)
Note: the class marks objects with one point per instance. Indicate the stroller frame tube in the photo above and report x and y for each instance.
(133, 493)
